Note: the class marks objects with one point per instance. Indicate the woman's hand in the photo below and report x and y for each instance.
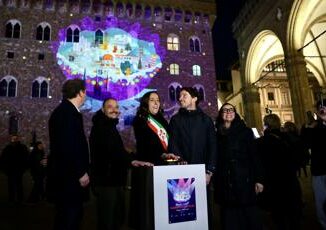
(170, 156)
(136, 163)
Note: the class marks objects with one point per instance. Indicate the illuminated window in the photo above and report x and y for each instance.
(174, 69)
(43, 32)
(40, 87)
(194, 44)
(8, 87)
(196, 70)
(73, 34)
(173, 42)
(13, 28)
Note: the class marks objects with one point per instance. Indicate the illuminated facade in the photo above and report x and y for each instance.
(275, 35)
(121, 49)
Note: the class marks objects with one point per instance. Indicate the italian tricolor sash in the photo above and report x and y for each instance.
(159, 130)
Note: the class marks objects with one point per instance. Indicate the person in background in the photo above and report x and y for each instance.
(14, 163)
(238, 178)
(38, 160)
(314, 136)
(193, 137)
(300, 153)
(68, 164)
(152, 140)
(109, 164)
(282, 193)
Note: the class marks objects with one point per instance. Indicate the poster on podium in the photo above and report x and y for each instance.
(180, 197)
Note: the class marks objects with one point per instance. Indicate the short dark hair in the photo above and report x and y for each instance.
(71, 88)
(272, 121)
(193, 93)
(108, 99)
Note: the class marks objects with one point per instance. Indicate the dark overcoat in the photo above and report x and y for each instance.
(69, 155)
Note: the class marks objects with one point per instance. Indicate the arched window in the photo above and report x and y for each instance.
(119, 9)
(174, 69)
(3, 88)
(138, 11)
(98, 37)
(72, 34)
(40, 87)
(43, 32)
(194, 44)
(196, 70)
(174, 91)
(13, 28)
(129, 10)
(8, 87)
(148, 12)
(201, 91)
(173, 42)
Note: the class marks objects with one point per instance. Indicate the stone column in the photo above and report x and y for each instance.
(299, 87)
(251, 102)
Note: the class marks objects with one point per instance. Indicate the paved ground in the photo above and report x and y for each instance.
(40, 216)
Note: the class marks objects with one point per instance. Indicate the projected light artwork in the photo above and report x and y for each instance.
(116, 59)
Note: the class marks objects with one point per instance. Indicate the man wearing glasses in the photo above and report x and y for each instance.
(314, 136)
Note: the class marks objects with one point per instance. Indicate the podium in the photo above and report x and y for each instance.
(180, 200)
(169, 197)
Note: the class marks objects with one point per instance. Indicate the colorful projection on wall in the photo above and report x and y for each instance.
(116, 59)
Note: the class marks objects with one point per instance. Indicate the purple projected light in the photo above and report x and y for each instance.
(115, 58)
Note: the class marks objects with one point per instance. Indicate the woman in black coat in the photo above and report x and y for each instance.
(238, 175)
(151, 133)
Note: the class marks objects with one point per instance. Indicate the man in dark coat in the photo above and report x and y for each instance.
(314, 137)
(14, 162)
(68, 163)
(193, 136)
(109, 162)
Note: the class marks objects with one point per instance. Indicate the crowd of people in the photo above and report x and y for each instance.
(246, 176)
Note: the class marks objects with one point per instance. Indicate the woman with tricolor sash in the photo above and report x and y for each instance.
(152, 136)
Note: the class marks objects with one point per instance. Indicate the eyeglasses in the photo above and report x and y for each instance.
(228, 110)
(322, 110)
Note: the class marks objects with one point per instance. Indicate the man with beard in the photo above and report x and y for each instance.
(109, 163)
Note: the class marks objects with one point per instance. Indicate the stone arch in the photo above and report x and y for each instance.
(264, 47)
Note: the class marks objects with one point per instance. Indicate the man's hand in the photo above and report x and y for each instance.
(136, 163)
(259, 188)
(84, 180)
(208, 177)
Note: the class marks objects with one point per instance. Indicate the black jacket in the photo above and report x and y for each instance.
(314, 139)
(109, 159)
(69, 156)
(193, 137)
(238, 167)
(149, 146)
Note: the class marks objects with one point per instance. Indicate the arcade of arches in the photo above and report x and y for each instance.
(282, 49)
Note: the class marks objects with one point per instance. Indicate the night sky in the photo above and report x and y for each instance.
(225, 46)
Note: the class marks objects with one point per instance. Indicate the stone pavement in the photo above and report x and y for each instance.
(40, 216)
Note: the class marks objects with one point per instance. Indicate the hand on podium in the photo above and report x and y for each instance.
(136, 163)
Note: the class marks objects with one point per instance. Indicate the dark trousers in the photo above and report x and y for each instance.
(110, 207)
(68, 215)
(15, 187)
(241, 218)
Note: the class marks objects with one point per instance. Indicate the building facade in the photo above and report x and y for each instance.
(42, 42)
